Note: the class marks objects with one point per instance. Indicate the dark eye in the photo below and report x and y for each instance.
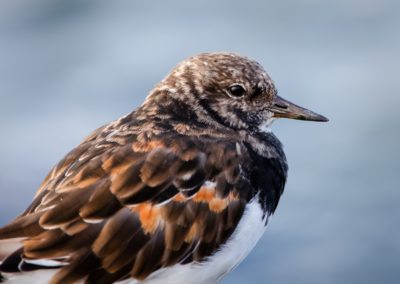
(237, 91)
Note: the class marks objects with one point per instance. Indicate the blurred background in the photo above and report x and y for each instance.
(67, 67)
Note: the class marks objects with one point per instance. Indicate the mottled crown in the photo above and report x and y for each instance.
(211, 73)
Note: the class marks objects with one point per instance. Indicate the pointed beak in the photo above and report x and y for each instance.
(284, 108)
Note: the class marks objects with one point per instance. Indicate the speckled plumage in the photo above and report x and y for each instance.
(165, 185)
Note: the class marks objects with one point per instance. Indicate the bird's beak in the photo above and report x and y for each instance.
(283, 108)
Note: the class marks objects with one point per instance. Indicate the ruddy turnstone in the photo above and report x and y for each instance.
(177, 191)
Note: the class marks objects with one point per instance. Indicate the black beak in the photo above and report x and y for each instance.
(284, 108)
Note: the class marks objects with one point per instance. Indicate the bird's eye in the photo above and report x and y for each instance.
(236, 91)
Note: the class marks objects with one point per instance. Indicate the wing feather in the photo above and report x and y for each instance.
(130, 210)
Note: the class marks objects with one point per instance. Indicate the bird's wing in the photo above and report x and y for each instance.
(111, 210)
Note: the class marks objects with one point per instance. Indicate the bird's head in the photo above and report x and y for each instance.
(231, 90)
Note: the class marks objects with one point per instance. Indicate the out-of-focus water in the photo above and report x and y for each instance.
(66, 67)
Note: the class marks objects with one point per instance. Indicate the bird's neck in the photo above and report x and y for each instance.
(182, 113)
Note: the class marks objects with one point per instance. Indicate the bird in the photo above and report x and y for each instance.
(179, 190)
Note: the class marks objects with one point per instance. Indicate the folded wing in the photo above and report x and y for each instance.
(119, 209)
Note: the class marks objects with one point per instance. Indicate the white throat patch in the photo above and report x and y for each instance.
(265, 126)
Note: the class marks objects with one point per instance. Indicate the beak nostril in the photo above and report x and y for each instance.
(281, 105)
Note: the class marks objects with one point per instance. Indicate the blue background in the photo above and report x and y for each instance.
(67, 67)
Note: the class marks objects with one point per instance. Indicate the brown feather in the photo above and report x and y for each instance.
(175, 236)
(127, 181)
(24, 226)
(74, 227)
(149, 258)
(80, 263)
(101, 204)
(123, 223)
(55, 243)
(155, 170)
(67, 208)
(101, 276)
(171, 257)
